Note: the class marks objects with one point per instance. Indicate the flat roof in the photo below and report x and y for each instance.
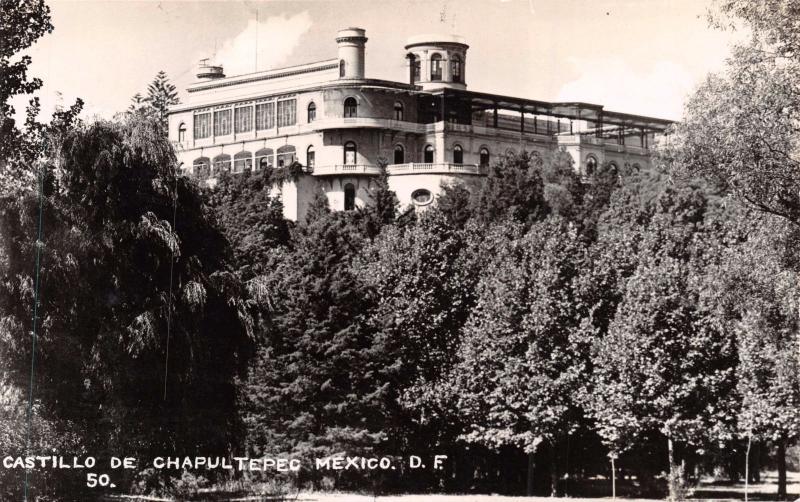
(287, 71)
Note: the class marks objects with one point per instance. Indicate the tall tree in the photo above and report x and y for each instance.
(740, 128)
(23, 149)
(158, 328)
(25, 170)
(381, 208)
(318, 385)
(161, 94)
(755, 291)
(662, 366)
(518, 367)
(21, 24)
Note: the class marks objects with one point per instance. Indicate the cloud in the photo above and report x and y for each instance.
(277, 38)
(658, 91)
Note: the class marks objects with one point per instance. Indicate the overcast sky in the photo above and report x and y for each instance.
(637, 56)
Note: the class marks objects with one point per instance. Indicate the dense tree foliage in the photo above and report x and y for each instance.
(319, 383)
(252, 219)
(21, 24)
(518, 370)
(740, 128)
(143, 354)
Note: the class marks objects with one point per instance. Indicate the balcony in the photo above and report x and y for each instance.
(365, 122)
(503, 131)
(435, 168)
(608, 144)
(399, 169)
(346, 169)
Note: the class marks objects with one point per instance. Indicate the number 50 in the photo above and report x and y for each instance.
(93, 480)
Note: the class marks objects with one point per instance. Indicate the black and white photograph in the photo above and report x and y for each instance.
(399, 250)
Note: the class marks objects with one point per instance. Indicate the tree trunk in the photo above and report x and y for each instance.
(531, 466)
(755, 463)
(673, 495)
(782, 468)
(670, 454)
(747, 466)
(613, 480)
(567, 472)
(553, 471)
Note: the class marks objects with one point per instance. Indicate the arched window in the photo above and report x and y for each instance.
(312, 112)
(510, 152)
(201, 167)
(182, 132)
(286, 155)
(242, 161)
(349, 153)
(264, 158)
(591, 166)
(310, 157)
(458, 154)
(222, 163)
(399, 154)
(428, 156)
(341, 68)
(613, 169)
(349, 197)
(456, 69)
(636, 167)
(484, 157)
(398, 111)
(414, 68)
(436, 67)
(350, 108)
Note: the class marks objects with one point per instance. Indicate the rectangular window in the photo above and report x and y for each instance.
(287, 112)
(222, 122)
(265, 116)
(243, 116)
(202, 125)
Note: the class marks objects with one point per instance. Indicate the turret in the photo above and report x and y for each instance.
(351, 52)
(437, 61)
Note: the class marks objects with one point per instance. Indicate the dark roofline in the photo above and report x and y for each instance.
(327, 64)
(372, 83)
(570, 110)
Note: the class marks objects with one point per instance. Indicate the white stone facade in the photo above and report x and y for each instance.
(340, 125)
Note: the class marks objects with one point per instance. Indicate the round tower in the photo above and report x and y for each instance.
(351, 52)
(437, 61)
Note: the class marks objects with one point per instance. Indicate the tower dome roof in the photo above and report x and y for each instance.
(435, 39)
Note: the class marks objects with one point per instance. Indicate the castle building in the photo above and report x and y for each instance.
(340, 125)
